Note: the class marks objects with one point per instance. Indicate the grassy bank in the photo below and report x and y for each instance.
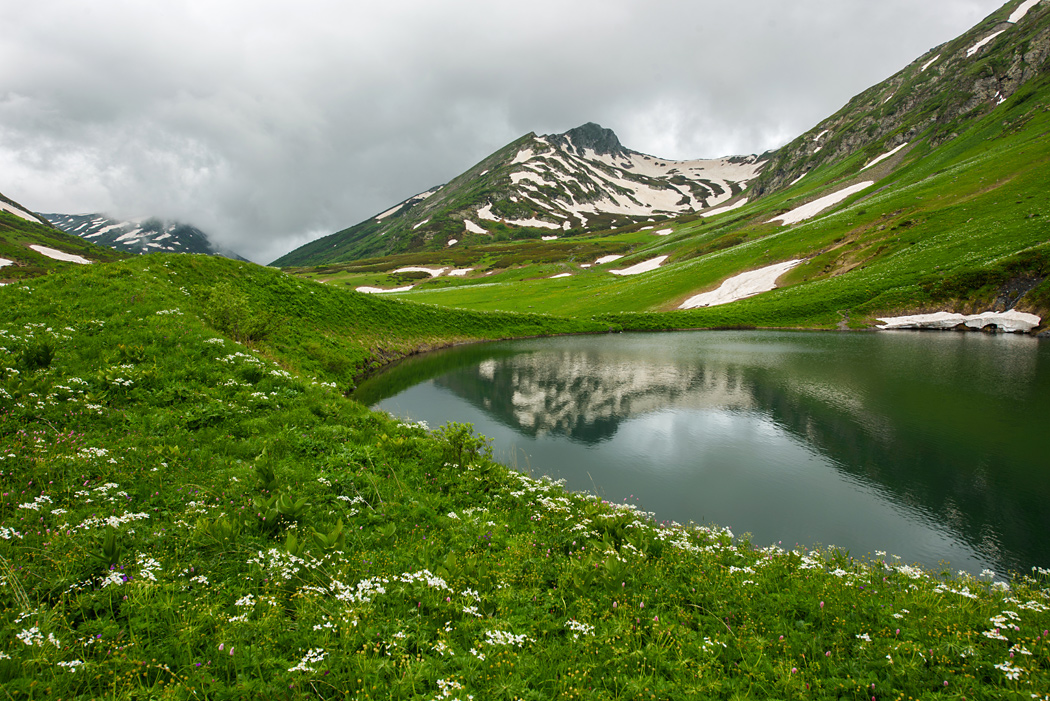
(189, 508)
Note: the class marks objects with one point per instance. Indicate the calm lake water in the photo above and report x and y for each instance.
(931, 446)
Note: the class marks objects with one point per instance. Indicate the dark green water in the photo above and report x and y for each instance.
(930, 446)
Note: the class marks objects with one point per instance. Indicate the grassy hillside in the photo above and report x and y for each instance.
(189, 509)
(941, 227)
(956, 217)
(18, 234)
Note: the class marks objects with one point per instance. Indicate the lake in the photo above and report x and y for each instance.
(931, 446)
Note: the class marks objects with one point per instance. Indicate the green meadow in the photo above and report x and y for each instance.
(190, 508)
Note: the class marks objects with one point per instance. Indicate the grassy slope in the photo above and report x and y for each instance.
(967, 206)
(267, 536)
(17, 234)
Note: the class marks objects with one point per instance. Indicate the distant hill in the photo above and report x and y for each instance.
(139, 236)
(30, 246)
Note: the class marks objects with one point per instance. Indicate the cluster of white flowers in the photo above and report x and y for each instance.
(579, 629)
(499, 637)
(277, 563)
(312, 656)
(164, 312)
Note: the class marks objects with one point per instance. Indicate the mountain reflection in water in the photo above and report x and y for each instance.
(929, 441)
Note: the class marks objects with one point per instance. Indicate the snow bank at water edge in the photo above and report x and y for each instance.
(812, 209)
(1011, 321)
(644, 267)
(60, 255)
(379, 290)
(433, 272)
(741, 286)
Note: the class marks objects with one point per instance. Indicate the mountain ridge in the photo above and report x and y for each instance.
(139, 236)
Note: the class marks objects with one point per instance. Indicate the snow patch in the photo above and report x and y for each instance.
(664, 232)
(420, 224)
(549, 238)
(741, 286)
(884, 156)
(1011, 321)
(929, 63)
(459, 272)
(819, 136)
(60, 255)
(387, 213)
(643, 267)
(981, 44)
(607, 259)
(452, 242)
(561, 275)
(5, 262)
(523, 155)
(1022, 10)
(812, 209)
(473, 228)
(433, 272)
(19, 212)
(380, 290)
(725, 208)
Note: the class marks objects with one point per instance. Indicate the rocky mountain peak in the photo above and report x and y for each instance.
(590, 136)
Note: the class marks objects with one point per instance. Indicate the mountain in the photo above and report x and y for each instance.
(31, 246)
(933, 99)
(541, 186)
(139, 236)
(585, 180)
(926, 193)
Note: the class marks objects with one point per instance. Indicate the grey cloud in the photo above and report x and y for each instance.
(268, 124)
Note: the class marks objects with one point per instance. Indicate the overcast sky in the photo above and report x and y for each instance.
(268, 124)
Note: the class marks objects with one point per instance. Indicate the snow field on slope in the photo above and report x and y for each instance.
(741, 286)
(433, 272)
(5, 262)
(812, 209)
(643, 267)
(19, 212)
(380, 290)
(982, 43)
(55, 254)
(729, 207)
(880, 159)
(1022, 10)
